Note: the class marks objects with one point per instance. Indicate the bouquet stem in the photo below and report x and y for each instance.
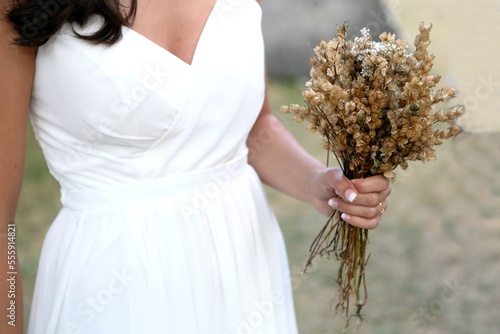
(349, 245)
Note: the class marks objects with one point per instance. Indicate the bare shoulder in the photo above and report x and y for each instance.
(16, 62)
(16, 65)
(12, 55)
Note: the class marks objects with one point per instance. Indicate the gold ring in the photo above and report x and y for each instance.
(383, 210)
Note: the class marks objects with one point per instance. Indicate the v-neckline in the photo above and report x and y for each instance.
(198, 42)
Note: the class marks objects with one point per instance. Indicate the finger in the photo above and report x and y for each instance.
(372, 199)
(368, 212)
(342, 185)
(361, 222)
(371, 184)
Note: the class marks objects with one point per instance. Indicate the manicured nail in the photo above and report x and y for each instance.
(350, 195)
(345, 217)
(333, 203)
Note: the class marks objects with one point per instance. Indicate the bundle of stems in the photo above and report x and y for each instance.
(349, 245)
(373, 103)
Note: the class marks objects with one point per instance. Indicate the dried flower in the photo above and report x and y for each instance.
(373, 102)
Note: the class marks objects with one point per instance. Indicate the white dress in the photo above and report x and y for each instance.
(165, 227)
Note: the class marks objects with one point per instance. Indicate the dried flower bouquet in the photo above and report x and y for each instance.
(373, 104)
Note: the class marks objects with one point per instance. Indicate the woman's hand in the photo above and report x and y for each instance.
(361, 201)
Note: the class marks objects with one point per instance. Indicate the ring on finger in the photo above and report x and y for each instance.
(383, 209)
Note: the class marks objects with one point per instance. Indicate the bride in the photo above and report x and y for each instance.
(153, 116)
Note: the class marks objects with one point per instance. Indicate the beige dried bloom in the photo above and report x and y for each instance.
(374, 104)
(378, 89)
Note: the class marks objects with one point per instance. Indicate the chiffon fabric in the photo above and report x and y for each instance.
(165, 227)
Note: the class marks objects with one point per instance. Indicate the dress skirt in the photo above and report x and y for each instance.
(196, 253)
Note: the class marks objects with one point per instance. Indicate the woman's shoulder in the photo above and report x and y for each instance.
(10, 50)
(17, 65)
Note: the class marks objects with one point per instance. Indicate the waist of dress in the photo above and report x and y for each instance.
(191, 187)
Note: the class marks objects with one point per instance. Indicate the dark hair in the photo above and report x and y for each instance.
(35, 21)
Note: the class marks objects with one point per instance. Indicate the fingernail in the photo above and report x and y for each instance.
(350, 195)
(345, 217)
(333, 203)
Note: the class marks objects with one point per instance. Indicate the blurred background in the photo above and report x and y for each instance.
(435, 258)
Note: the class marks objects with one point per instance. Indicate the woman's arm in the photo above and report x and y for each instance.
(284, 165)
(16, 77)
